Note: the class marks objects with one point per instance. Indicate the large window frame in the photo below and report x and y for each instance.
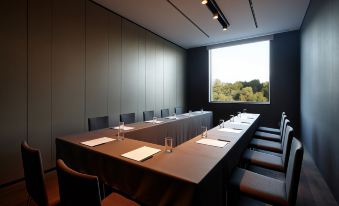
(210, 92)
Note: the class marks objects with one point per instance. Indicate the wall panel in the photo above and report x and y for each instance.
(39, 78)
(68, 68)
(150, 71)
(319, 88)
(115, 68)
(97, 69)
(141, 73)
(159, 77)
(129, 87)
(13, 86)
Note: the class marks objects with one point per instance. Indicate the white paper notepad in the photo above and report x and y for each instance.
(155, 122)
(98, 141)
(212, 142)
(239, 123)
(230, 130)
(141, 153)
(125, 128)
(171, 117)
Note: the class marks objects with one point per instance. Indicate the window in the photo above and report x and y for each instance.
(240, 73)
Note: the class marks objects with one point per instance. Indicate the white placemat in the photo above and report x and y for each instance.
(125, 128)
(232, 130)
(212, 142)
(141, 153)
(98, 141)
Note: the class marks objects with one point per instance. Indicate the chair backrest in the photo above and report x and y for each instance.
(287, 145)
(283, 117)
(178, 110)
(148, 115)
(164, 113)
(34, 174)
(293, 170)
(286, 122)
(127, 118)
(97, 123)
(77, 188)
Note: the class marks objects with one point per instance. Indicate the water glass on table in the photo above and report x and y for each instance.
(154, 120)
(221, 123)
(231, 118)
(121, 133)
(203, 132)
(168, 144)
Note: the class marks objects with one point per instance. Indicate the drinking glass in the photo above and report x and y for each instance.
(189, 112)
(244, 110)
(154, 120)
(221, 123)
(204, 132)
(168, 144)
(239, 114)
(202, 110)
(231, 118)
(174, 115)
(121, 133)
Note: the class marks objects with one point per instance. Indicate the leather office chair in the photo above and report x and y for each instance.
(35, 178)
(97, 123)
(148, 115)
(82, 189)
(127, 118)
(268, 145)
(271, 190)
(270, 161)
(271, 136)
(178, 110)
(274, 130)
(164, 113)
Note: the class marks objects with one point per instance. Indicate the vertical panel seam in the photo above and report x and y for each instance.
(85, 61)
(51, 77)
(27, 62)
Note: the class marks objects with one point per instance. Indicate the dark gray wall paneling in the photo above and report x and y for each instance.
(159, 76)
(71, 63)
(141, 87)
(115, 67)
(13, 86)
(130, 55)
(97, 52)
(319, 88)
(284, 80)
(68, 69)
(39, 77)
(150, 71)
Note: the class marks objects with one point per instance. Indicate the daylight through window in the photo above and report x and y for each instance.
(240, 73)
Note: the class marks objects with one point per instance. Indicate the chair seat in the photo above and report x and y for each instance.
(267, 136)
(264, 160)
(269, 152)
(264, 188)
(119, 200)
(267, 172)
(266, 145)
(269, 129)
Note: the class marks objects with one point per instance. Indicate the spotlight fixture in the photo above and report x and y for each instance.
(217, 13)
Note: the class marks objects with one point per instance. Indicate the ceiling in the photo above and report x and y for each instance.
(162, 18)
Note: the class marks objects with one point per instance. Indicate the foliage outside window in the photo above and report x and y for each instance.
(240, 73)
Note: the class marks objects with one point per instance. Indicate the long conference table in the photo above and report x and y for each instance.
(193, 174)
